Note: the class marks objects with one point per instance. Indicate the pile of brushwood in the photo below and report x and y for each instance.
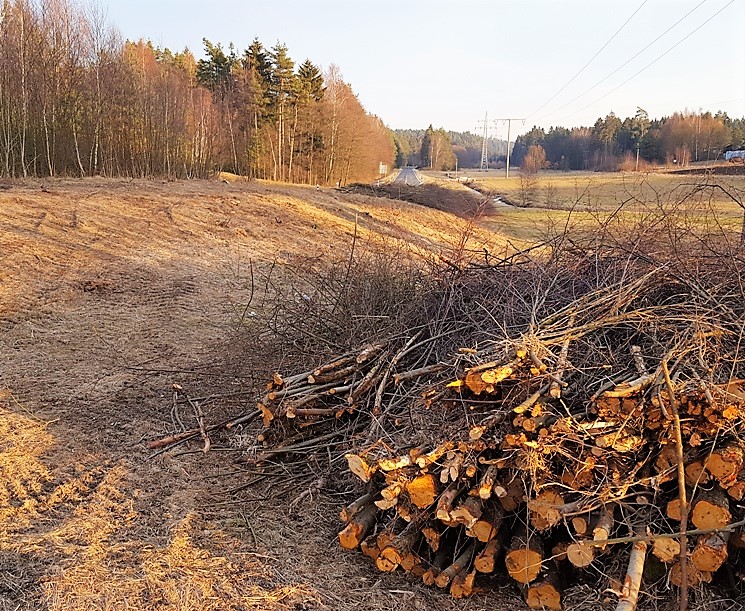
(540, 416)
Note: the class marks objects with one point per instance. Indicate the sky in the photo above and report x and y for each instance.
(446, 63)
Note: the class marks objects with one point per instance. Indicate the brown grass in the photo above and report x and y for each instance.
(110, 292)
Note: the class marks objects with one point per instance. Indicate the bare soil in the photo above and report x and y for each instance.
(111, 291)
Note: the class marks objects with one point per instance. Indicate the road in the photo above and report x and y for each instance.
(408, 176)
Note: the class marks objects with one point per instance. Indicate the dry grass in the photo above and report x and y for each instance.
(78, 530)
(110, 292)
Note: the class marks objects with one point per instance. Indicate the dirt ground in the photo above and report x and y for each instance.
(111, 291)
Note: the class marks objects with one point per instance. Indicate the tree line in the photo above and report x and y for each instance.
(75, 99)
(439, 149)
(613, 144)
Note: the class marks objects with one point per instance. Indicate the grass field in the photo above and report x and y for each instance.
(584, 199)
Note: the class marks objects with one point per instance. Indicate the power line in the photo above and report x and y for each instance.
(571, 80)
(623, 65)
(654, 61)
(509, 121)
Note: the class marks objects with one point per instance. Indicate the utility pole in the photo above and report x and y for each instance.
(509, 126)
(484, 167)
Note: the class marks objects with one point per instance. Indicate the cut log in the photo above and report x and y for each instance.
(710, 552)
(544, 593)
(468, 512)
(410, 561)
(422, 490)
(696, 473)
(673, 510)
(486, 485)
(445, 506)
(390, 495)
(725, 463)
(436, 566)
(711, 510)
(511, 494)
(695, 576)
(667, 458)
(396, 463)
(351, 510)
(358, 528)
(666, 550)
(486, 381)
(369, 547)
(462, 562)
(488, 525)
(580, 554)
(359, 467)
(451, 466)
(432, 536)
(486, 559)
(463, 584)
(580, 525)
(632, 581)
(524, 557)
(604, 525)
(737, 490)
(385, 563)
(432, 457)
(545, 509)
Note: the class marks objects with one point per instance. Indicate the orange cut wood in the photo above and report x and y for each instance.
(486, 560)
(710, 552)
(667, 550)
(463, 584)
(544, 593)
(422, 490)
(524, 558)
(358, 528)
(580, 554)
(725, 463)
(711, 510)
(545, 509)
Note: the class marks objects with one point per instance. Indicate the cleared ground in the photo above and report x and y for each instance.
(110, 292)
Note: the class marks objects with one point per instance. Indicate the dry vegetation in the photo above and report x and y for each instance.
(111, 292)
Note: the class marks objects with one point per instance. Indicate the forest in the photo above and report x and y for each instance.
(612, 144)
(75, 99)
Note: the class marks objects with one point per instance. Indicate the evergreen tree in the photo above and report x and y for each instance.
(426, 148)
(215, 72)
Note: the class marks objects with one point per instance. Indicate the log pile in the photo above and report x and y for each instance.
(613, 425)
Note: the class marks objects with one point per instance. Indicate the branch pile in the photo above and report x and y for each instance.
(549, 412)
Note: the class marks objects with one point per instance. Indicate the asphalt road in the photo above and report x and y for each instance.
(408, 176)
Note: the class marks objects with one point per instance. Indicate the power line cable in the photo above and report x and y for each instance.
(623, 65)
(571, 80)
(654, 61)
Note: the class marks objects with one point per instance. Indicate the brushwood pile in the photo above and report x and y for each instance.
(539, 417)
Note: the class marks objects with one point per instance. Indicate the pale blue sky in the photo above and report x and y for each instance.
(445, 62)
